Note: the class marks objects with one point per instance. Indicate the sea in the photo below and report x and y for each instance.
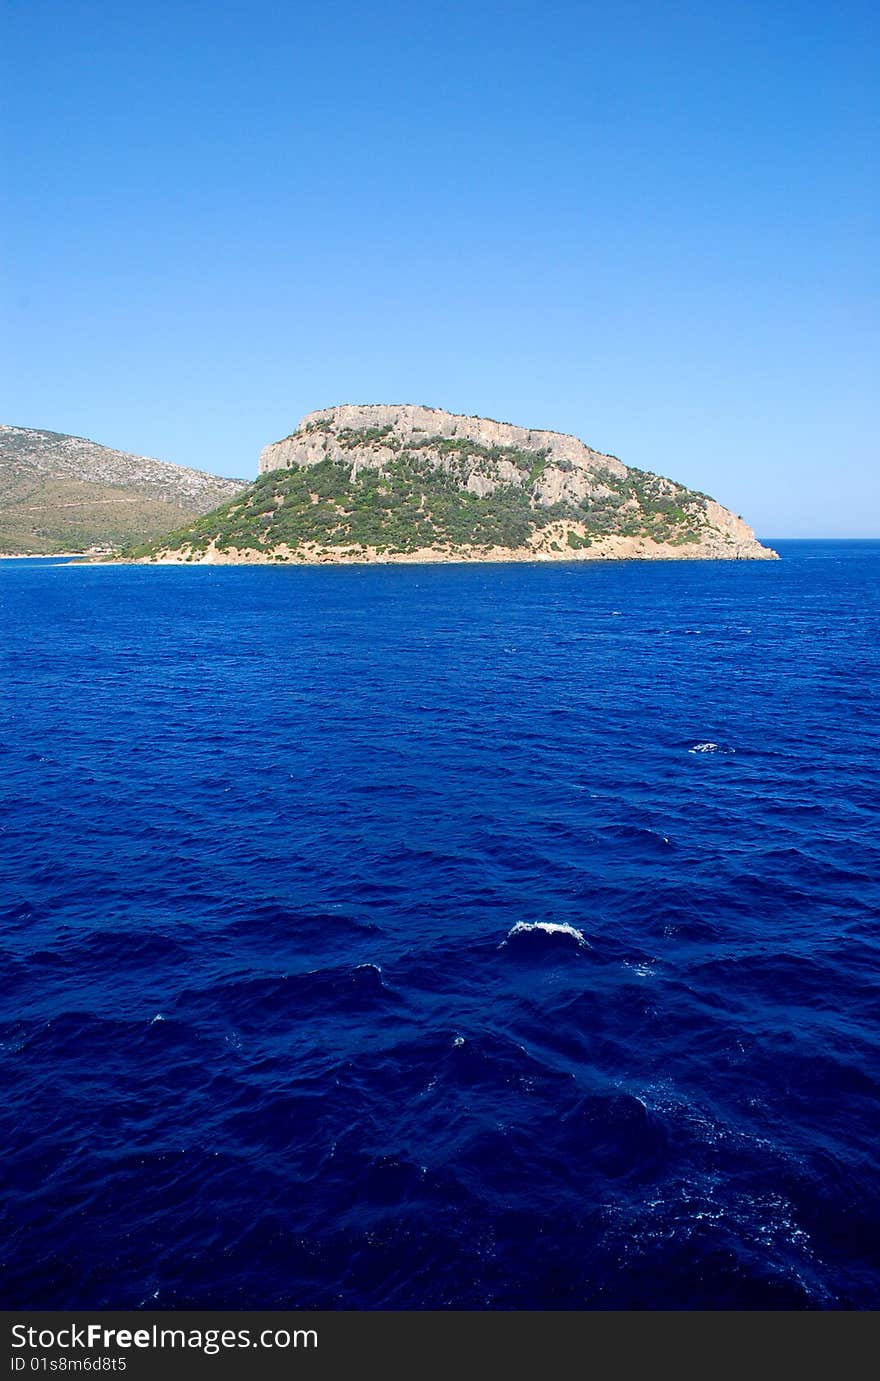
(441, 937)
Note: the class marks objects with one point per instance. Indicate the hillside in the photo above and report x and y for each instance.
(64, 493)
(405, 483)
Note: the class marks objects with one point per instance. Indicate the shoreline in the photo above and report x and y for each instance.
(608, 548)
(611, 549)
(423, 559)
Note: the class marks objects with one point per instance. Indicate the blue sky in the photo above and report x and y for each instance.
(651, 224)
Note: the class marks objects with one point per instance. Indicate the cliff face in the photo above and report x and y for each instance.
(342, 433)
(414, 483)
(65, 493)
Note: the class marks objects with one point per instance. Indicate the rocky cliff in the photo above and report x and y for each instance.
(65, 493)
(381, 482)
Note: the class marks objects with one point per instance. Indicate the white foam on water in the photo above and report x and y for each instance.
(548, 928)
(641, 970)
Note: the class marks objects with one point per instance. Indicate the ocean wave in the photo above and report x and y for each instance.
(528, 931)
(255, 999)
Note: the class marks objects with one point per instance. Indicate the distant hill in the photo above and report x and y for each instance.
(64, 493)
(408, 483)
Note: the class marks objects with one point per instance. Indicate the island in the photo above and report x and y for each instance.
(407, 483)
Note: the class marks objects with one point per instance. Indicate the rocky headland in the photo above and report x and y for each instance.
(365, 483)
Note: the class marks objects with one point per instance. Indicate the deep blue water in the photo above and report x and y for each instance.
(269, 1034)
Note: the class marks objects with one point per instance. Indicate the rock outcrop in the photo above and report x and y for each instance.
(410, 483)
(331, 431)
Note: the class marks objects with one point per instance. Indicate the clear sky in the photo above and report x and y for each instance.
(651, 224)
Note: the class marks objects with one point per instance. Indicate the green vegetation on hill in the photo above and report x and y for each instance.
(418, 499)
